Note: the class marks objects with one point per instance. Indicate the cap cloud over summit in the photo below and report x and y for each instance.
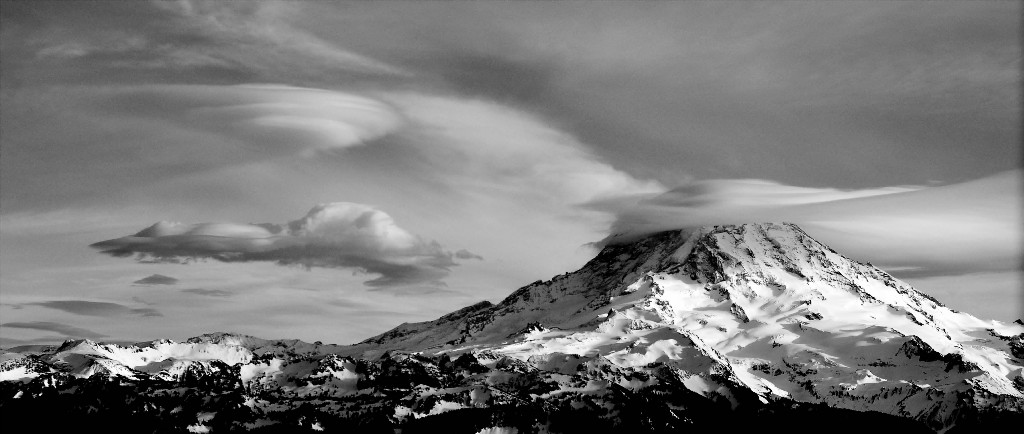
(972, 226)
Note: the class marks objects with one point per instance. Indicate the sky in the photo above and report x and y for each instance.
(329, 170)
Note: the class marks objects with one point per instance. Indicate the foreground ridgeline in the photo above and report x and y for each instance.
(753, 326)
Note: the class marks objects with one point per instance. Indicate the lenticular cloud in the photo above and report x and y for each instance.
(967, 227)
(333, 235)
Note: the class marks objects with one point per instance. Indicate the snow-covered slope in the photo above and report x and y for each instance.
(748, 316)
(160, 359)
(786, 315)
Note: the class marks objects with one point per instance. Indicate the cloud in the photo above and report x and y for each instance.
(498, 150)
(464, 142)
(844, 94)
(724, 193)
(156, 279)
(209, 292)
(64, 329)
(95, 308)
(272, 119)
(331, 235)
(973, 226)
(466, 254)
(259, 35)
(199, 37)
(461, 170)
(140, 300)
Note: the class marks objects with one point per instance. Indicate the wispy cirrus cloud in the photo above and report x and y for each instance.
(243, 39)
(95, 308)
(261, 33)
(333, 235)
(64, 329)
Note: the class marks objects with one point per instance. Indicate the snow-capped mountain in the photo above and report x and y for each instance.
(697, 327)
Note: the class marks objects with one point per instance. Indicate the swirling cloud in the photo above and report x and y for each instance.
(271, 119)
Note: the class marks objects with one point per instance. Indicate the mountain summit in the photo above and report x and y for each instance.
(786, 316)
(660, 333)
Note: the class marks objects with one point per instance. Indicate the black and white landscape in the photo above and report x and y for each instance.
(313, 216)
(722, 327)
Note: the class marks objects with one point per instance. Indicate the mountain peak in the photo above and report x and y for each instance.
(675, 246)
(768, 255)
(766, 304)
(226, 338)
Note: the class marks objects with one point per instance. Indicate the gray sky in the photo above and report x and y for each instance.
(461, 150)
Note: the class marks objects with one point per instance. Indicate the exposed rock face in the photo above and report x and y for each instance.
(724, 327)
